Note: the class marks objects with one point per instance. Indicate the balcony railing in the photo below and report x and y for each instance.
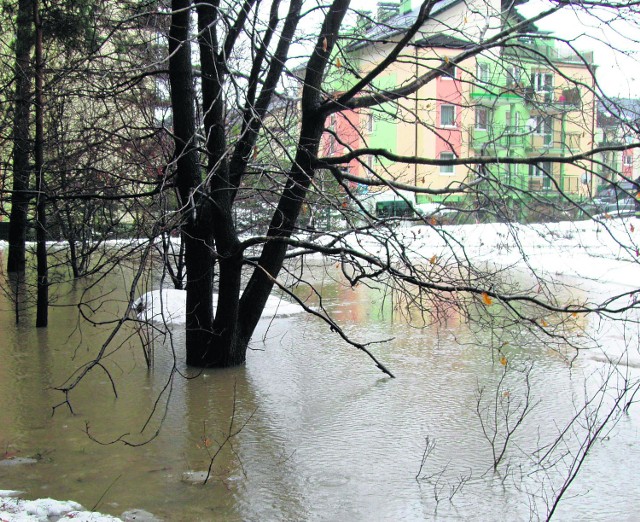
(510, 137)
(554, 99)
(536, 49)
(500, 136)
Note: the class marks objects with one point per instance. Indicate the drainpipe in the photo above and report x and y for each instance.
(563, 145)
(415, 130)
(593, 131)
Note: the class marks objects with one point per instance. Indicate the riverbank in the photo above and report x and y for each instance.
(15, 509)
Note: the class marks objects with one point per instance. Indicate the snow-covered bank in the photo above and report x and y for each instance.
(605, 251)
(15, 509)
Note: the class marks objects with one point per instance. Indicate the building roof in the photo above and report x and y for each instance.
(616, 111)
(382, 30)
(394, 25)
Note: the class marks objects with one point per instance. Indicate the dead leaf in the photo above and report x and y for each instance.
(503, 360)
(338, 62)
(433, 259)
(543, 323)
(486, 299)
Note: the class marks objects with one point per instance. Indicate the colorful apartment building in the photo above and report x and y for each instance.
(618, 120)
(525, 100)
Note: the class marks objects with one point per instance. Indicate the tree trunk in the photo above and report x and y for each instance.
(199, 260)
(206, 206)
(42, 309)
(19, 199)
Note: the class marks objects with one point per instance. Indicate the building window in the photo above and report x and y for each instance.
(482, 118)
(542, 82)
(369, 122)
(512, 120)
(482, 72)
(447, 169)
(513, 76)
(628, 160)
(447, 116)
(540, 175)
(450, 74)
(544, 127)
(369, 161)
(331, 149)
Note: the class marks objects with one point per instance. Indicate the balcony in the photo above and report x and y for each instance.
(554, 100)
(536, 50)
(500, 137)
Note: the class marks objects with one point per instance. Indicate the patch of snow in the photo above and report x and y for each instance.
(139, 515)
(17, 461)
(194, 477)
(48, 510)
(170, 306)
(10, 493)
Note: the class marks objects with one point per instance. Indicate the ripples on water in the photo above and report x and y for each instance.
(328, 437)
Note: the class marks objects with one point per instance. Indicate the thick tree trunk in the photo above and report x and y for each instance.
(199, 326)
(206, 206)
(22, 144)
(199, 260)
(42, 309)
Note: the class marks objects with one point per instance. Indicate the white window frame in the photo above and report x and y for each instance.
(539, 83)
(628, 160)
(541, 123)
(451, 75)
(369, 161)
(483, 72)
(543, 171)
(447, 170)
(369, 122)
(453, 125)
(513, 75)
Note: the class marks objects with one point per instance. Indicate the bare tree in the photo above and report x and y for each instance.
(255, 134)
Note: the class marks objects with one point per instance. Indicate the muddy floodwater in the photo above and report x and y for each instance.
(318, 432)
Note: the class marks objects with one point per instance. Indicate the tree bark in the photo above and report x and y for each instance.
(42, 308)
(18, 218)
(199, 260)
(210, 237)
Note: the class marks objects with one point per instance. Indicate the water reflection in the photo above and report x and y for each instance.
(327, 436)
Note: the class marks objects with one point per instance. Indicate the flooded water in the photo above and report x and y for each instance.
(318, 432)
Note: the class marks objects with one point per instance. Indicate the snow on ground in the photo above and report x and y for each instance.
(169, 306)
(15, 509)
(605, 251)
